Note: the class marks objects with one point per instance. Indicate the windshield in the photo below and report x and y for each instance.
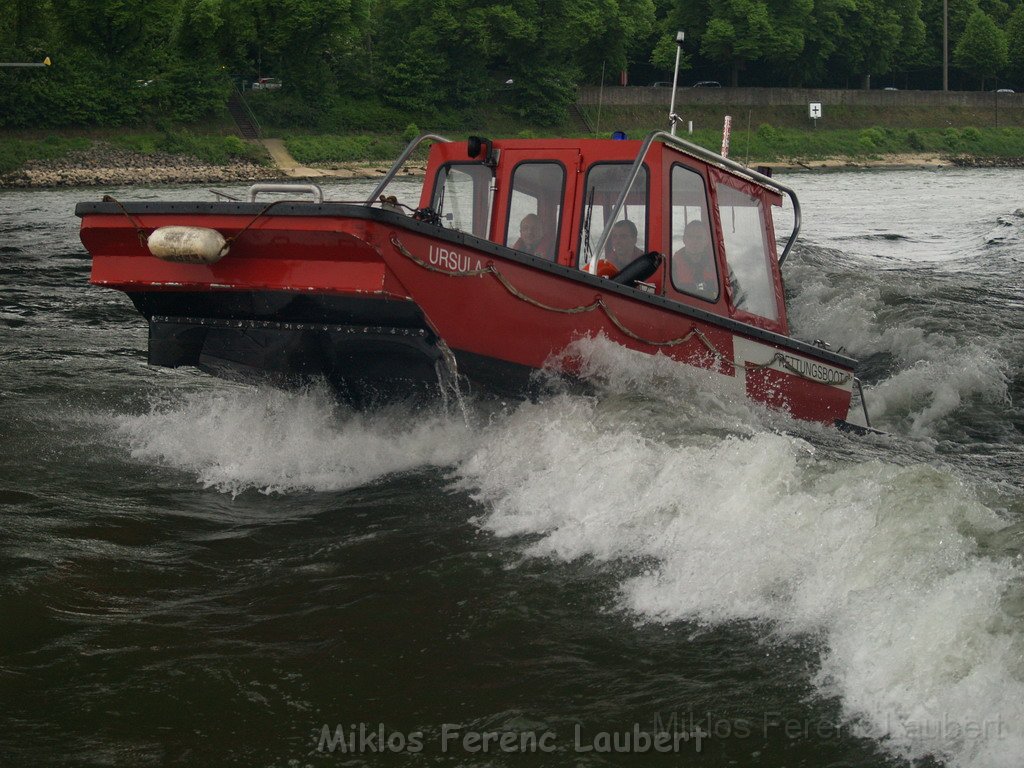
(462, 197)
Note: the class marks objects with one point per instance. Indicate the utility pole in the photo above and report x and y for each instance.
(945, 45)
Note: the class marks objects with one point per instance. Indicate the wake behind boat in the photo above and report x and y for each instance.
(517, 249)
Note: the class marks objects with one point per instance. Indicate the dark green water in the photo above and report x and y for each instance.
(200, 573)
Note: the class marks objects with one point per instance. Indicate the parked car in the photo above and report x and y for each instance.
(890, 88)
(707, 84)
(267, 84)
(1004, 90)
(661, 84)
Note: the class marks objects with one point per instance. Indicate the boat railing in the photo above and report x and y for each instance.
(701, 154)
(312, 189)
(402, 158)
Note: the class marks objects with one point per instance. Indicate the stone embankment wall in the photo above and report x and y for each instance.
(777, 97)
(844, 109)
(106, 165)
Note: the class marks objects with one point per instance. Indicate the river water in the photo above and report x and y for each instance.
(202, 573)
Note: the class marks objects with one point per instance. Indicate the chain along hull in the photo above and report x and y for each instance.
(384, 307)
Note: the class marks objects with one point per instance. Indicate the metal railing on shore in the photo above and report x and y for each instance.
(239, 99)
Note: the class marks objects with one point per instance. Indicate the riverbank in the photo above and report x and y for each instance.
(106, 165)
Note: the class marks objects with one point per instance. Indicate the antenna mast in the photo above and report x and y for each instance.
(673, 118)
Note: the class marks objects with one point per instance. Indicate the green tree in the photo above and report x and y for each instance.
(913, 47)
(739, 32)
(1015, 43)
(26, 30)
(872, 37)
(982, 49)
(426, 57)
(931, 14)
(823, 36)
(198, 25)
(302, 36)
(997, 9)
(663, 54)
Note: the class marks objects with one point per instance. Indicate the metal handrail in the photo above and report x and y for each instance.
(248, 110)
(584, 117)
(312, 189)
(702, 154)
(375, 195)
(863, 403)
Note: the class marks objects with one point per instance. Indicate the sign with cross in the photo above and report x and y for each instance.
(814, 108)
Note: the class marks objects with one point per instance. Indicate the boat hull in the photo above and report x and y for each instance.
(384, 307)
(369, 351)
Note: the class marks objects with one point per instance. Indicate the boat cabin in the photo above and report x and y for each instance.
(555, 199)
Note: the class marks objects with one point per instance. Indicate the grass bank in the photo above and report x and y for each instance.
(765, 143)
(762, 143)
(771, 144)
(213, 149)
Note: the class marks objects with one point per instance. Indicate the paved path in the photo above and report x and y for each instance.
(290, 167)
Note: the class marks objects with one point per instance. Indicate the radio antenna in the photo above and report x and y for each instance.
(673, 118)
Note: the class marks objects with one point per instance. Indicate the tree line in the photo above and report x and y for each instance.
(383, 63)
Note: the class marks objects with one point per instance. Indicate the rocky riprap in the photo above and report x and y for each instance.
(107, 165)
(974, 161)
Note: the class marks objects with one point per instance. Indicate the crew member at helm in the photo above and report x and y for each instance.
(693, 265)
(531, 236)
(622, 248)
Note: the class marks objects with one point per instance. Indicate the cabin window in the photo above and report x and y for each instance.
(535, 208)
(694, 270)
(462, 197)
(605, 182)
(747, 252)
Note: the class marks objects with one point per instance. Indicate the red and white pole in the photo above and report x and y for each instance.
(726, 134)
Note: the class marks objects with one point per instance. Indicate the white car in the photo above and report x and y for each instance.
(267, 84)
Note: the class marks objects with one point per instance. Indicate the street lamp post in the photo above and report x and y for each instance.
(44, 63)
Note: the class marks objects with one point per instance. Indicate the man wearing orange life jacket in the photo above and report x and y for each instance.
(621, 251)
(693, 265)
(531, 236)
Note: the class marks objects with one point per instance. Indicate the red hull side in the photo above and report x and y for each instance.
(490, 307)
(483, 302)
(293, 254)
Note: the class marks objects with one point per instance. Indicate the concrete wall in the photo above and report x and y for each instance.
(775, 97)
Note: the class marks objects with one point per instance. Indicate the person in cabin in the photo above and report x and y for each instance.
(622, 248)
(531, 236)
(622, 251)
(693, 265)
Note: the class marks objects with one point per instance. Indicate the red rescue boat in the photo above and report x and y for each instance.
(518, 248)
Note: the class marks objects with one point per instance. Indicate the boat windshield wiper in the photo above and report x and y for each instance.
(587, 251)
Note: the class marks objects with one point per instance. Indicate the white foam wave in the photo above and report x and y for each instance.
(920, 398)
(938, 375)
(730, 520)
(656, 386)
(278, 441)
(876, 561)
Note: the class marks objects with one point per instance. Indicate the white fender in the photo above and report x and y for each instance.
(187, 245)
